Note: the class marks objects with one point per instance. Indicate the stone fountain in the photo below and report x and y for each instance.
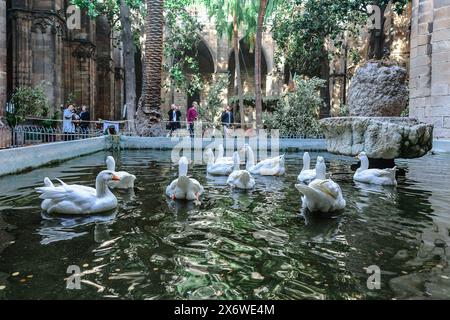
(378, 95)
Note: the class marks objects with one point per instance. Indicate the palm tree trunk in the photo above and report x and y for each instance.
(129, 64)
(377, 39)
(238, 69)
(258, 53)
(325, 90)
(148, 120)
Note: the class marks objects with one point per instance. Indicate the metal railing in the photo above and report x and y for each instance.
(206, 128)
(26, 135)
(35, 132)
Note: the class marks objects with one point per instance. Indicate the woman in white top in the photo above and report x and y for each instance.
(68, 125)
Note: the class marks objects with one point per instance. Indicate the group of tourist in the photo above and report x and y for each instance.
(75, 120)
(192, 115)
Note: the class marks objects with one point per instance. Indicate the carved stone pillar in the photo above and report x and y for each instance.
(35, 48)
(20, 48)
(105, 70)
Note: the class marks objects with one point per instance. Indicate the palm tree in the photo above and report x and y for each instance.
(258, 53)
(266, 7)
(237, 66)
(221, 10)
(129, 51)
(148, 117)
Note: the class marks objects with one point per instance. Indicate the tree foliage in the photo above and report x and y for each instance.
(298, 110)
(28, 102)
(214, 100)
(222, 11)
(109, 8)
(181, 38)
(181, 46)
(301, 28)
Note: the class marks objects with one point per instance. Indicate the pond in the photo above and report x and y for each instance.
(236, 245)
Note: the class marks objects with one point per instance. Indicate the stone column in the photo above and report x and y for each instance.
(430, 64)
(2, 56)
(105, 70)
(80, 76)
(439, 112)
(222, 57)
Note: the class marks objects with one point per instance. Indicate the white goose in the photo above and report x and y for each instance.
(79, 200)
(218, 168)
(184, 188)
(322, 195)
(126, 179)
(383, 177)
(220, 156)
(268, 167)
(306, 175)
(241, 179)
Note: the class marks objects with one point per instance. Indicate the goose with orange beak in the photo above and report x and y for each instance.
(79, 200)
(125, 181)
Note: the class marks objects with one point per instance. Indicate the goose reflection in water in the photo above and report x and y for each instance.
(55, 228)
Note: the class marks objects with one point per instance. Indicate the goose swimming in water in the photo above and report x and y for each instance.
(322, 195)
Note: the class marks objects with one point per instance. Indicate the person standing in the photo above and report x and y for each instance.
(76, 120)
(178, 121)
(68, 125)
(85, 117)
(192, 116)
(227, 119)
(174, 118)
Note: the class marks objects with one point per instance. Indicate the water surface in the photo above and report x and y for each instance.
(236, 245)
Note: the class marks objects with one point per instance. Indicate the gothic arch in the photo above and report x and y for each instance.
(247, 62)
(212, 53)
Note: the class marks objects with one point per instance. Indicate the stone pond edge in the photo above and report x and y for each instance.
(16, 160)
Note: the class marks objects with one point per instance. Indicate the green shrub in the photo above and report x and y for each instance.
(297, 111)
(344, 110)
(28, 102)
(269, 103)
(214, 101)
(52, 123)
(405, 113)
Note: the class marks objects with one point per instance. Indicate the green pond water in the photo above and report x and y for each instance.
(236, 245)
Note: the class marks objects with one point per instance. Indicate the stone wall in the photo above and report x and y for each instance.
(2, 55)
(430, 64)
(222, 56)
(79, 66)
(343, 66)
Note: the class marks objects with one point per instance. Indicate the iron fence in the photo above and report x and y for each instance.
(26, 135)
(204, 128)
(36, 133)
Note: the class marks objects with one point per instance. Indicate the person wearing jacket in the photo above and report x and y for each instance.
(192, 116)
(227, 119)
(174, 119)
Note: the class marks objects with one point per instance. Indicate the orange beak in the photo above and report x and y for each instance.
(115, 178)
